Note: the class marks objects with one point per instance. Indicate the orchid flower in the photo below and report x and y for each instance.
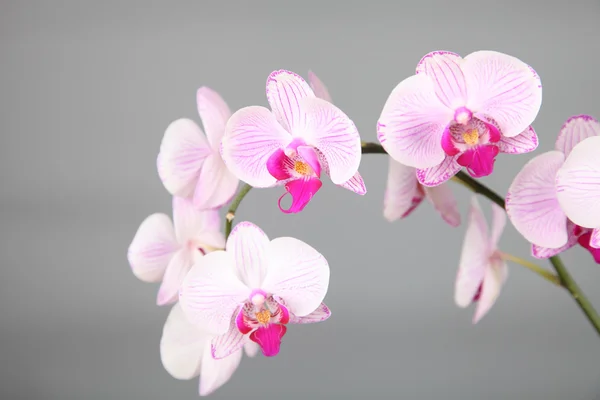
(190, 164)
(404, 193)
(533, 202)
(482, 271)
(165, 251)
(185, 354)
(255, 288)
(293, 142)
(457, 113)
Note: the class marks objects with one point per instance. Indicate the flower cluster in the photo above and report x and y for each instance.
(236, 294)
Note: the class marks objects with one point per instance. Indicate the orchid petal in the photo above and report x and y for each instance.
(318, 87)
(182, 152)
(575, 130)
(269, 338)
(525, 142)
(216, 185)
(403, 192)
(214, 114)
(439, 174)
(475, 257)
(412, 122)
(498, 224)
(224, 345)
(443, 67)
(285, 90)
(444, 202)
(297, 273)
(504, 88)
(355, 184)
(152, 248)
(215, 373)
(578, 184)
(252, 134)
(190, 221)
(494, 278)
(248, 243)
(546, 252)
(211, 292)
(175, 273)
(319, 315)
(302, 191)
(531, 202)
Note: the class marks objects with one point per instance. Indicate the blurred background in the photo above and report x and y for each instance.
(87, 89)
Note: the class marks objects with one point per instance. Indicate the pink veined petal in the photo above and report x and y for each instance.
(576, 129)
(439, 174)
(546, 252)
(318, 87)
(190, 221)
(498, 225)
(180, 264)
(232, 341)
(443, 67)
(319, 315)
(504, 88)
(215, 373)
(495, 276)
(252, 134)
(251, 349)
(211, 292)
(355, 184)
(403, 192)
(412, 122)
(216, 184)
(475, 257)
(444, 202)
(152, 248)
(531, 202)
(248, 244)
(328, 129)
(578, 184)
(214, 113)
(302, 191)
(285, 91)
(297, 273)
(182, 152)
(525, 142)
(595, 238)
(182, 346)
(269, 338)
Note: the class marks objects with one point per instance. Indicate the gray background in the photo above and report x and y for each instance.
(87, 89)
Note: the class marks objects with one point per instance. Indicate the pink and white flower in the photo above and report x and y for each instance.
(293, 142)
(404, 193)
(255, 288)
(185, 354)
(190, 164)
(165, 251)
(482, 271)
(457, 113)
(541, 192)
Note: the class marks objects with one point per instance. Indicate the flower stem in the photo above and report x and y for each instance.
(565, 277)
(532, 267)
(233, 208)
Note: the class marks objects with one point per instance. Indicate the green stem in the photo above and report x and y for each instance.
(532, 267)
(233, 208)
(565, 277)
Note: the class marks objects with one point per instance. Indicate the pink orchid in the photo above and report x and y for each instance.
(482, 271)
(254, 288)
(291, 143)
(165, 251)
(457, 113)
(191, 166)
(404, 193)
(185, 354)
(534, 204)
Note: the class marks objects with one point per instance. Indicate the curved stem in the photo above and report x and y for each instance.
(565, 277)
(233, 208)
(532, 267)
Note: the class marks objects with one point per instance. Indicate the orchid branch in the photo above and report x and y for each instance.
(233, 208)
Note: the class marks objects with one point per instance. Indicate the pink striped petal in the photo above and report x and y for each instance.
(251, 349)
(576, 129)
(211, 292)
(285, 90)
(319, 315)
(215, 373)
(251, 136)
(493, 280)
(412, 122)
(525, 142)
(443, 67)
(444, 202)
(318, 87)
(439, 174)
(329, 130)
(182, 152)
(297, 273)
(547, 252)
(475, 257)
(532, 205)
(403, 192)
(595, 238)
(152, 248)
(214, 114)
(504, 88)
(216, 185)
(176, 271)
(355, 184)
(498, 225)
(578, 184)
(190, 221)
(248, 244)
(232, 341)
